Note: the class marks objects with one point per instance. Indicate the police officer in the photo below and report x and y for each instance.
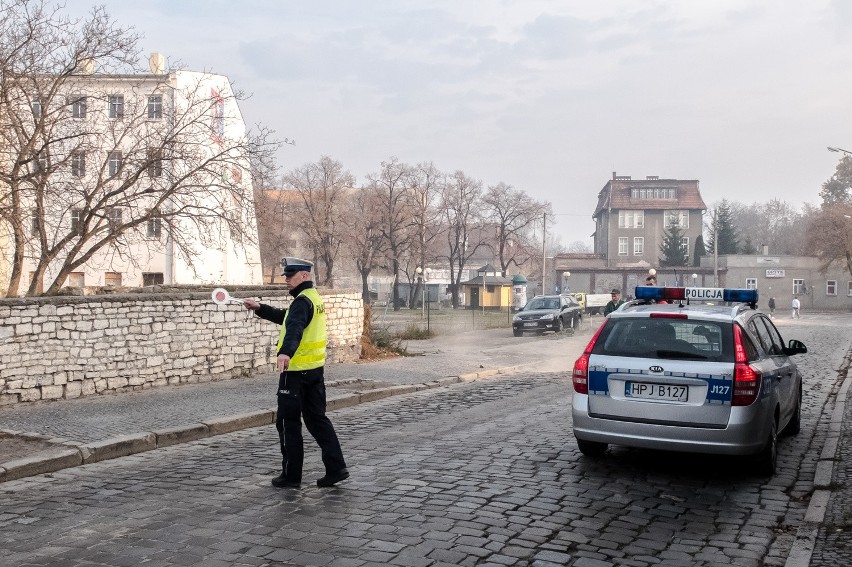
(301, 387)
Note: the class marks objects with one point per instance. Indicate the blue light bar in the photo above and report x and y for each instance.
(697, 294)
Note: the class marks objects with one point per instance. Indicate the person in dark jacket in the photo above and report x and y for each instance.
(301, 386)
(614, 303)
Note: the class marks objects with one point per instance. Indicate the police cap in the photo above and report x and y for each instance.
(293, 265)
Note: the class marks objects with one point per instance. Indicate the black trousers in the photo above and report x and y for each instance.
(301, 395)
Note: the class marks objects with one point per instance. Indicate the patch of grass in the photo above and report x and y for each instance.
(382, 339)
(415, 332)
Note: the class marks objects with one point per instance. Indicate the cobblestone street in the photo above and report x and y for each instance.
(478, 473)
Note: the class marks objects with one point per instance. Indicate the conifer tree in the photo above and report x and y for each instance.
(722, 230)
(672, 250)
(699, 251)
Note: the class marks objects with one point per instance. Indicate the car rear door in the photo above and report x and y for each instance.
(639, 372)
(784, 369)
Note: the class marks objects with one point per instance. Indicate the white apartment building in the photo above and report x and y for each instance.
(173, 142)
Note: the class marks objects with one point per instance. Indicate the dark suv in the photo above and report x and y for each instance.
(547, 313)
(688, 376)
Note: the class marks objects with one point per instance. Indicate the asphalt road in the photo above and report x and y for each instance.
(479, 473)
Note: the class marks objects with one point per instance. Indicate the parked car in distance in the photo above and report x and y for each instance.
(547, 313)
(688, 376)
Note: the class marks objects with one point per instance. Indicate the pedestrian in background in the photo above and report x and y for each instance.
(614, 303)
(796, 306)
(301, 386)
(771, 306)
(652, 281)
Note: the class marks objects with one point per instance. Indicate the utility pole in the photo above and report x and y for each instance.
(543, 251)
(715, 251)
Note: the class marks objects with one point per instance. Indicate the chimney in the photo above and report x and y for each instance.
(157, 63)
(87, 66)
(613, 176)
(766, 250)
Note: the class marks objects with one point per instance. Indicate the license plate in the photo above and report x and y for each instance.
(651, 391)
(530, 324)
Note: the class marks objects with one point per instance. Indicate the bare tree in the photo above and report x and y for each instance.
(829, 235)
(394, 194)
(88, 175)
(364, 238)
(775, 223)
(512, 214)
(322, 188)
(460, 206)
(427, 183)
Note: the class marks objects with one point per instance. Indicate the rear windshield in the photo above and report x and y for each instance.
(686, 339)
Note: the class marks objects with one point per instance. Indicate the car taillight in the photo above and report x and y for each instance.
(746, 378)
(580, 375)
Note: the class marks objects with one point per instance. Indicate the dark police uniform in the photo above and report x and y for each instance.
(301, 388)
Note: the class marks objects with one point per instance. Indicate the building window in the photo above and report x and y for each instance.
(798, 287)
(849, 289)
(631, 219)
(116, 106)
(155, 228)
(647, 193)
(36, 105)
(751, 283)
(218, 122)
(155, 163)
(114, 163)
(112, 279)
(684, 245)
(114, 215)
(76, 279)
(152, 278)
(680, 218)
(155, 107)
(42, 163)
(622, 246)
(76, 220)
(78, 164)
(638, 246)
(78, 106)
(831, 287)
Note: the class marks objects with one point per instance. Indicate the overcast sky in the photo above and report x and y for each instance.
(548, 96)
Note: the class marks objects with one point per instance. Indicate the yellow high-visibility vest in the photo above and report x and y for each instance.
(311, 351)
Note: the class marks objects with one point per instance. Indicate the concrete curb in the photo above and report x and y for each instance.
(803, 547)
(75, 454)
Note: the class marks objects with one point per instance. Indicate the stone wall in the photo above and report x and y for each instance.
(66, 347)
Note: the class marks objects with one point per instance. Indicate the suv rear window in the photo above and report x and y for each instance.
(686, 339)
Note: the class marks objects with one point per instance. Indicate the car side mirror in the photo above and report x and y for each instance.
(795, 347)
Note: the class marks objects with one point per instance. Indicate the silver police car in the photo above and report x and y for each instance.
(673, 370)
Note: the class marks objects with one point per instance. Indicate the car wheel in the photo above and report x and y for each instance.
(768, 457)
(591, 448)
(795, 423)
(559, 325)
(517, 332)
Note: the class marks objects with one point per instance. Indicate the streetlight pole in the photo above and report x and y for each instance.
(423, 275)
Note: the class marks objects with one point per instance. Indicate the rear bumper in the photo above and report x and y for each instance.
(745, 433)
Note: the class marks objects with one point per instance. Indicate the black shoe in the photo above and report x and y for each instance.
(331, 479)
(281, 482)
